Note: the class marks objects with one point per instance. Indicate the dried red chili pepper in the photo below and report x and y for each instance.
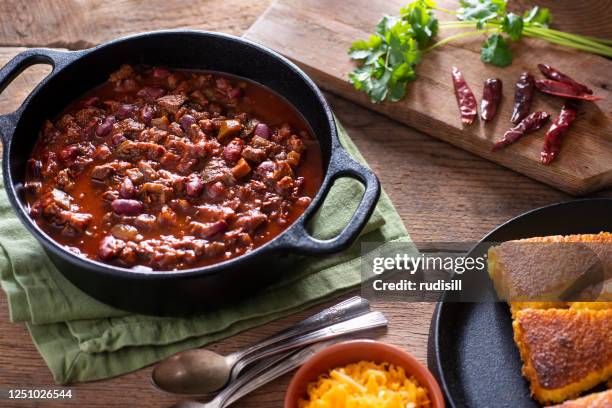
(556, 75)
(528, 125)
(557, 131)
(564, 90)
(523, 97)
(491, 95)
(465, 97)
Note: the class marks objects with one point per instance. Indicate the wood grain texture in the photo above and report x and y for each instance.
(317, 34)
(442, 194)
(77, 24)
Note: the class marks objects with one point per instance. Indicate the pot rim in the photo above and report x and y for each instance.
(208, 270)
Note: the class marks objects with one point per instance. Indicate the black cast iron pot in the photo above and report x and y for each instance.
(194, 289)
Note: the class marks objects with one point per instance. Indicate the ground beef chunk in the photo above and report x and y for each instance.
(171, 103)
(250, 221)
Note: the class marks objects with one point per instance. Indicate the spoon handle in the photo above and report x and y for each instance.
(259, 375)
(254, 379)
(368, 321)
(352, 307)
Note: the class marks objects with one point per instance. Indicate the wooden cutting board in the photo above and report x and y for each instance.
(316, 34)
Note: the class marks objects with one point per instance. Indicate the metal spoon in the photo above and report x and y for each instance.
(369, 321)
(257, 376)
(202, 371)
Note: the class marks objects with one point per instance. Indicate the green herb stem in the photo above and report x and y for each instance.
(571, 37)
(605, 51)
(445, 10)
(457, 23)
(577, 36)
(459, 36)
(576, 41)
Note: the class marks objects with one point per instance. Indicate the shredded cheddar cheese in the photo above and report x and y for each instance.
(366, 385)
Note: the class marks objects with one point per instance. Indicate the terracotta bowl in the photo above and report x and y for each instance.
(354, 351)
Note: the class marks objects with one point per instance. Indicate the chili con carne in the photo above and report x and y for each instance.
(170, 169)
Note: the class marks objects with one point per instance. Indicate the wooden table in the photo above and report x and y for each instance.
(443, 194)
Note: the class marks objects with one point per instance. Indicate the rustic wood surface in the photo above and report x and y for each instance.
(442, 193)
(314, 33)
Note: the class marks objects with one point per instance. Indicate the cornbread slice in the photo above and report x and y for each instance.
(541, 270)
(597, 400)
(564, 351)
(515, 307)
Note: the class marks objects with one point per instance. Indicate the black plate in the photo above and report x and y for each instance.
(471, 346)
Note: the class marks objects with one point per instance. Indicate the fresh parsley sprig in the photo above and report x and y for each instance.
(389, 57)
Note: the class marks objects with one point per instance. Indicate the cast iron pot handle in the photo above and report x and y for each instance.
(57, 59)
(341, 165)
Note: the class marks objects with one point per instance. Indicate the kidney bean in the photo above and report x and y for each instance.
(123, 206)
(233, 151)
(117, 139)
(215, 190)
(146, 114)
(262, 130)
(127, 188)
(68, 154)
(125, 110)
(194, 186)
(161, 72)
(105, 127)
(186, 121)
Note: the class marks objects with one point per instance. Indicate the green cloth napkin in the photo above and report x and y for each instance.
(82, 339)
